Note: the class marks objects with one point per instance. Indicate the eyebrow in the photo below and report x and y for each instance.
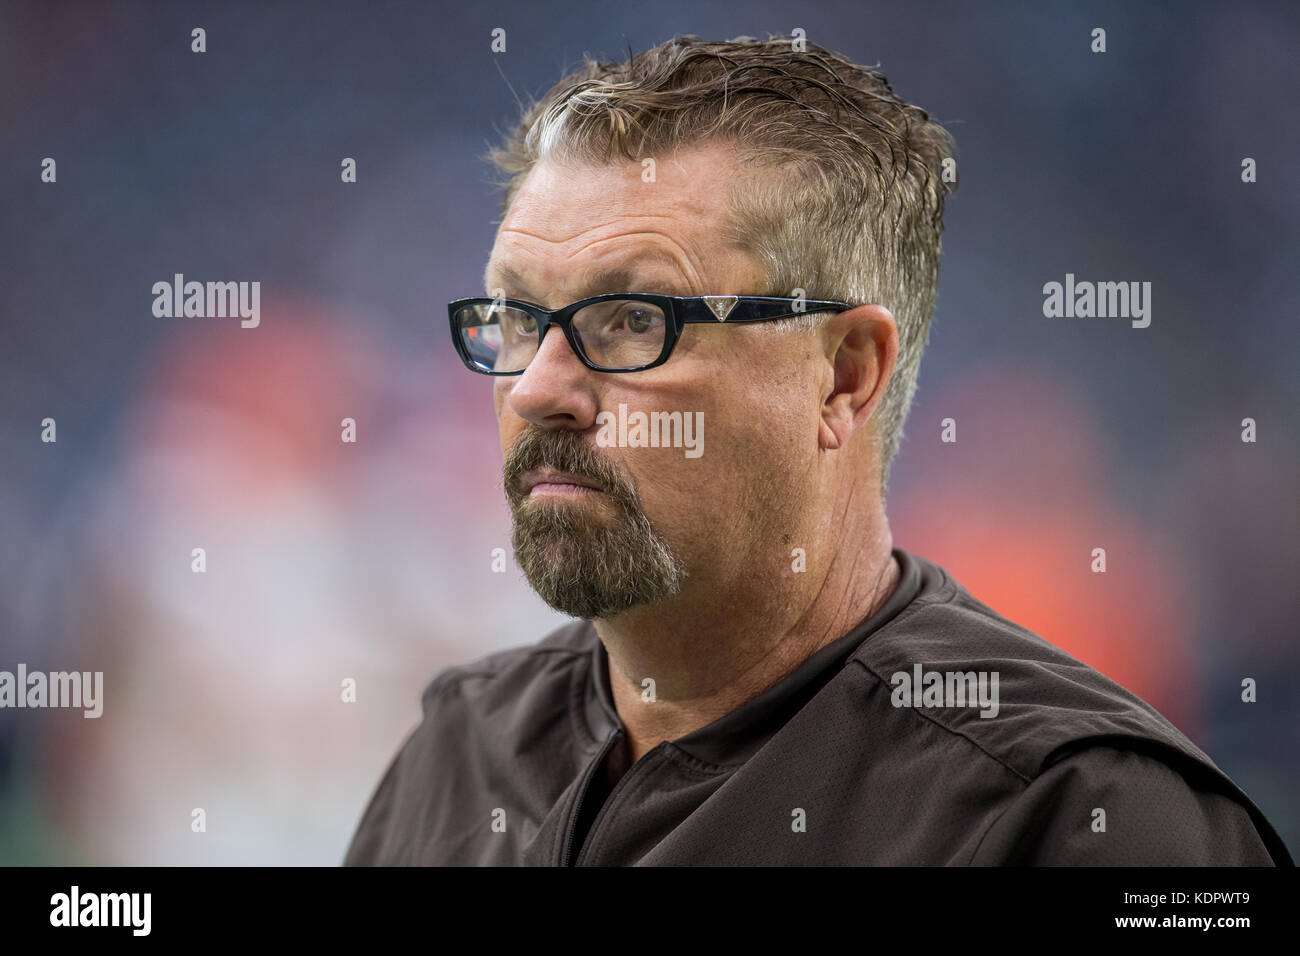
(614, 279)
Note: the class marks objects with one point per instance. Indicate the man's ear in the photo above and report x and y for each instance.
(862, 347)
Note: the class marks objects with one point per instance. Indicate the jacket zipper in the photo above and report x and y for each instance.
(640, 765)
(566, 849)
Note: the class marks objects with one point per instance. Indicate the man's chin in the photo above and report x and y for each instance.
(560, 555)
(575, 574)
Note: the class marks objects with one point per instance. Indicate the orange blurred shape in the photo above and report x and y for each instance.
(1014, 510)
(251, 410)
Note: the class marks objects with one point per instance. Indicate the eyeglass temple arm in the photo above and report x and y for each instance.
(750, 309)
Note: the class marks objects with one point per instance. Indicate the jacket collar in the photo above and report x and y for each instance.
(735, 737)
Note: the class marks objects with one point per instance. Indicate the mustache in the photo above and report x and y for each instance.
(564, 450)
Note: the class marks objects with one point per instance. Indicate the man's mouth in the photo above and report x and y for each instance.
(549, 483)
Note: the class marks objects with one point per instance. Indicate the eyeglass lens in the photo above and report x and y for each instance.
(616, 333)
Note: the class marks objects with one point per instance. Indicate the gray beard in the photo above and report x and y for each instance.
(585, 567)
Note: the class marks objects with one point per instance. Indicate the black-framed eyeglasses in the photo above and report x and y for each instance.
(616, 332)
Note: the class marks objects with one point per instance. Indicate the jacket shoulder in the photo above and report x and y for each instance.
(1045, 698)
(512, 665)
(474, 716)
(1120, 806)
(1052, 710)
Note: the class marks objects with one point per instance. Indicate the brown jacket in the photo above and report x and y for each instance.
(826, 767)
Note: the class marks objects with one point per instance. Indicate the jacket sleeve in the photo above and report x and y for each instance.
(379, 839)
(370, 845)
(1107, 806)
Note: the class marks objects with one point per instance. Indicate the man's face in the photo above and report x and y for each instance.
(599, 530)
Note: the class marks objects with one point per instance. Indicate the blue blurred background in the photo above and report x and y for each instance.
(328, 561)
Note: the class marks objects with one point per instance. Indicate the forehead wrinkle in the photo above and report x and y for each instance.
(630, 277)
(677, 258)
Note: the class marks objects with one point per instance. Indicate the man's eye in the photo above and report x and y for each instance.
(638, 320)
(519, 323)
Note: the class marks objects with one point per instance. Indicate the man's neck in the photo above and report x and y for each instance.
(707, 656)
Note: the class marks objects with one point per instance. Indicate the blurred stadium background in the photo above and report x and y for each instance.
(372, 561)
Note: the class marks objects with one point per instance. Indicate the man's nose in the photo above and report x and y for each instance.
(556, 390)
